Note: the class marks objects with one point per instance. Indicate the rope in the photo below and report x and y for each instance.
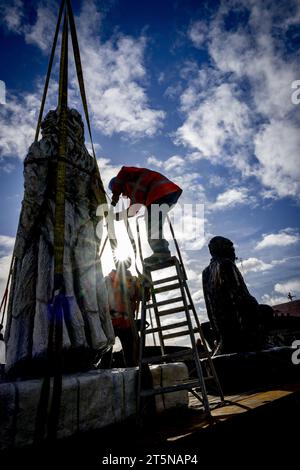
(79, 71)
(56, 309)
(59, 234)
(49, 70)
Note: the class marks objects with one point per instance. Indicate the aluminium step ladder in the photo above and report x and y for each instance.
(164, 309)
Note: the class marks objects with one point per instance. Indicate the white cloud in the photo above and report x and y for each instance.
(230, 198)
(292, 286)
(198, 33)
(5, 261)
(255, 265)
(175, 162)
(153, 161)
(6, 244)
(285, 237)
(21, 113)
(277, 149)
(12, 15)
(240, 107)
(107, 170)
(273, 299)
(42, 31)
(114, 77)
(214, 120)
(114, 73)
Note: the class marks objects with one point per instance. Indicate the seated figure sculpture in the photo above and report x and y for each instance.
(238, 322)
(88, 328)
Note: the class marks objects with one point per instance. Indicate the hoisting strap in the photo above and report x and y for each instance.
(59, 235)
(59, 219)
(82, 90)
(102, 194)
(61, 9)
(56, 309)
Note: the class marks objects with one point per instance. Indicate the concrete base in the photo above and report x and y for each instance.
(89, 401)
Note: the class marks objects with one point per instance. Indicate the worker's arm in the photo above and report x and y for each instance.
(131, 211)
(118, 186)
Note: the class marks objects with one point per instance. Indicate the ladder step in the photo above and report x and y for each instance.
(173, 357)
(166, 327)
(180, 333)
(173, 310)
(186, 354)
(164, 264)
(164, 302)
(166, 279)
(159, 290)
(172, 388)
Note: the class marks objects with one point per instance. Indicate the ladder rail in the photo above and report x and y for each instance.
(198, 387)
(193, 341)
(210, 361)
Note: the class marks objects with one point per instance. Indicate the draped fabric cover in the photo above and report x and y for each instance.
(89, 326)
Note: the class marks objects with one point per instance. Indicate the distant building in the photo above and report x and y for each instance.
(291, 308)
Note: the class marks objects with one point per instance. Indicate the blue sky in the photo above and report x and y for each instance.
(201, 91)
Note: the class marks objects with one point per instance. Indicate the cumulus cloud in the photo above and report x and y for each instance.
(273, 299)
(214, 121)
(6, 244)
(115, 77)
(285, 237)
(6, 247)
(21, 113)
(239, 111)
(230, 198)
(12, 15)
(175, 162)
(198, 33)
(255, 265)
(42, 31)
(277, 148)
(4, 270)
(292, 286)
(107, 170)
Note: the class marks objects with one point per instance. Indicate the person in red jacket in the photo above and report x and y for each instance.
(157, 193)
(124, 294)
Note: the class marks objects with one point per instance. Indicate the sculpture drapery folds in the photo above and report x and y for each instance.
(87, 329)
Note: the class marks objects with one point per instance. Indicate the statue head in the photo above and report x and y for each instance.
(50, 126)
(221, 247)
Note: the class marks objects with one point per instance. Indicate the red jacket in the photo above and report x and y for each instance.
(124, 292)
(142, 186)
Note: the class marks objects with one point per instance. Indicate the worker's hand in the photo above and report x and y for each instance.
(114, 200)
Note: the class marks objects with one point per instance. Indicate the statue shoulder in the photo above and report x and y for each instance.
(37, 152)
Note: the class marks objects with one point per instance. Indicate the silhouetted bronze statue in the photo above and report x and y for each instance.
(238, 322)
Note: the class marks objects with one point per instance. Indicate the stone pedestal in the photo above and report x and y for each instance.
(90, 401)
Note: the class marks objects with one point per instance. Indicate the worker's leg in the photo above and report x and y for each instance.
(106, 360)
(127, 340)
(155, 218)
